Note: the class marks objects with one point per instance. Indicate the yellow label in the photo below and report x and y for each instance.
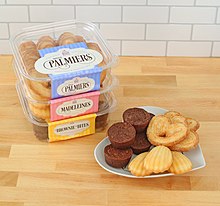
(71, 128)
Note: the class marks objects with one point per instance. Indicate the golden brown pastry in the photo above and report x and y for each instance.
(181, 164)
(46, 42)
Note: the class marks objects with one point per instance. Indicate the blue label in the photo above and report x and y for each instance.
(74, 82)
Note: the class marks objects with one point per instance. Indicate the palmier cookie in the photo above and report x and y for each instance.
(190, 142)
(158, 160)
(193, 124)
(41, 113)
(95, 47)
(69, 38)
(161, 131)
(25, 46)
(171, 114)
(181, 164)
(46, 42)
(136, 166)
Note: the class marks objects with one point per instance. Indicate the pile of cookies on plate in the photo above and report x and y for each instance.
(156, 143)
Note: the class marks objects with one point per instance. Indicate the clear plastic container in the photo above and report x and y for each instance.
(72, 106)
(26, 47)
(40, 127)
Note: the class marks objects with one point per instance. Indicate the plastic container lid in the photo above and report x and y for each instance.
(33, 120)
(89, 32)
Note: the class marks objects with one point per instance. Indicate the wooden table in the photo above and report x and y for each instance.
(65, 173)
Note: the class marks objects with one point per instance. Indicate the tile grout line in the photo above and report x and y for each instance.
(216, 15)
(169, 14)
(121, 14)
(29, 17)
(145, 31)
(121, 47)
(74, 10)
(166, 48)
(191, 34)
(211, 52)
(9, 32)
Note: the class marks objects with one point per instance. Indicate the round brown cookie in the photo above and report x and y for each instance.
(161, 131)
(138, 118)
(45, 42)
(121, 135)
(117, 158)
(141, 144)
(190, 142)
(193, 124)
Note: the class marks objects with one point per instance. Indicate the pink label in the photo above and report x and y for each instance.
(74, 106)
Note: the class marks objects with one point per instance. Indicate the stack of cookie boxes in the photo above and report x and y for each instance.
(64, 79)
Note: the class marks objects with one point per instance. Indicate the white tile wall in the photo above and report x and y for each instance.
(145, 14)
(86, 2)
(192, 15)
(99, 13)
(206, 32)
(123, 2)
(51, 13)
(28, 2)
(171, 2)
(208, 2)
(168, 32)
(216, 49)
(193, 49)
(13, 14)
(123, 31)
(4, 31)
(144, 48)
(132, 27)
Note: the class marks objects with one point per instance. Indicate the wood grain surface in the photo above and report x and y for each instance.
(34, 173)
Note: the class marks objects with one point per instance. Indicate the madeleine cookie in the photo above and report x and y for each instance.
(181, 164)
(193, 125)
(136, 166)
(161, 131)
(158, 160)
(187, 144)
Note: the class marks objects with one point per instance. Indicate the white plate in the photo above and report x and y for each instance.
(195, 155)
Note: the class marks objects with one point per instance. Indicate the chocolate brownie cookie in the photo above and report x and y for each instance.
(138, 118)
(121, 135)
(141, 144)
(117, 158)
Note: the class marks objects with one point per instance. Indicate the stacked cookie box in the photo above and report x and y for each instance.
(64, 79)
